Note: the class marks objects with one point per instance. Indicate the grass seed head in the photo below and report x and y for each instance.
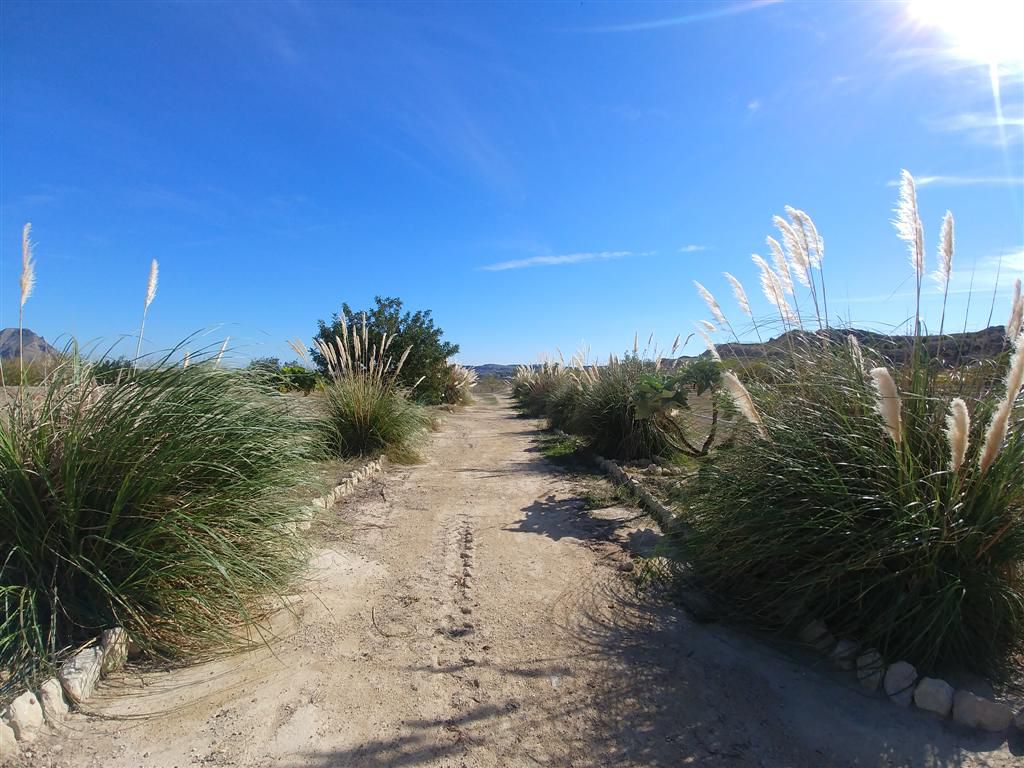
(908, 222)
(28, 267)
(958, 430)
(154, 270)
(945, 269)
(889, 405)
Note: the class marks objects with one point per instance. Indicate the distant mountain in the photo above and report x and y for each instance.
(955, 348)
(35, 345)
(494, 369)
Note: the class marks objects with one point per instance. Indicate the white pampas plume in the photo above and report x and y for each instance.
(740, 294)
(781, 265)
(28, 281)
(709, 326)
(709, 344)
(908, 222)
(814, 245)
(28, 266)
(958, 430)
(716, 311)
(1015, 325)
(773, 290)
(995, 434)
(185, 360)
(998, 427)
(675, 344)
(945, 269)
(223, 348)
(154, 271)
(855, 351)
(796, 246)
(298, 349)
(1015, 376)
(743, 401)
(888, 405)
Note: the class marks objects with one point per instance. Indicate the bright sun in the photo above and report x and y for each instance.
(986, 31)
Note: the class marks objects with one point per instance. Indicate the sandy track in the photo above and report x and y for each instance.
(467, 612)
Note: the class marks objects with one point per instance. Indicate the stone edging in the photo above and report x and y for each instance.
(900, 680)
(338, 492)
(76, 679)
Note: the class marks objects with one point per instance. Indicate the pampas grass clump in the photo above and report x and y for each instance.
(458, 383)
(160, 502)
(368, 412)
(627, 409)
(886, 500)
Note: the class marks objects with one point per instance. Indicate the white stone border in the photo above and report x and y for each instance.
(345, 488)
(76, 679)
(900, 680)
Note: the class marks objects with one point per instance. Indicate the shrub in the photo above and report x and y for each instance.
(887, 501)
(368, 411)
(628, 409)
(111, 370)
(425, 371)
(606, 414)
(158, 504)
(458, 384)
(297, 378)
(367, 417)
(533, 385)
(290, 377)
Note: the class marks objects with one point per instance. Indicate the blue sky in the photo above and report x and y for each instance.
(540, 175)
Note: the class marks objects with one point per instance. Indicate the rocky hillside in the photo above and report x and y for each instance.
(35, 345)
(956, 348)
(953, 349)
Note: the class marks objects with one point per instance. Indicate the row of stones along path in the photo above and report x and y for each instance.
(468, 612)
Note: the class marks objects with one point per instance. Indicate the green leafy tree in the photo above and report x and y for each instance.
(428, 359)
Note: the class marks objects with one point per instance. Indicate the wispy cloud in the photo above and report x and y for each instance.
(692, 248)
(985, 127)
(687, 18)
(753, 105)
(566, 258)
(962, 181)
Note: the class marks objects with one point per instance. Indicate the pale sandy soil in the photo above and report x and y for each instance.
(468, 612)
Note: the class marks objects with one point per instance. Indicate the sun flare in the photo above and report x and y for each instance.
(986, 31)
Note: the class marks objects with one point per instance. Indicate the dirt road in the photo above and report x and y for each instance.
(468, 612)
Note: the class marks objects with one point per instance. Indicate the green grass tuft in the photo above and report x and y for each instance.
(161, 504)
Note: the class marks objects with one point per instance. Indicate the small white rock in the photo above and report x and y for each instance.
(844, 655)
(976, 712)
(25, 716)
(80, 673)
(51, 698)
(899, 683)
(816, 635)
(114, 644)
(934, 695)
(870, 669)
(8, 743)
